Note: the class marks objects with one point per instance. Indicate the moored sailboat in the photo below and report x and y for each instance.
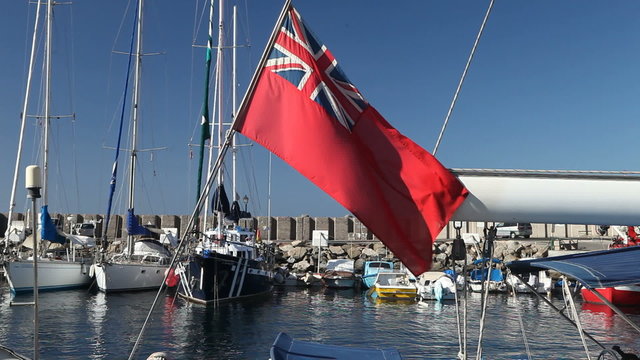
(228, 262)
(143, 262)
(67, 267)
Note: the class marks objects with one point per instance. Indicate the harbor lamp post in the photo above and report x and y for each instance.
(33, 184)
(245, 200)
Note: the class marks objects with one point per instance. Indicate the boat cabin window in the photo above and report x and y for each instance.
(242, 254)
(380, 265)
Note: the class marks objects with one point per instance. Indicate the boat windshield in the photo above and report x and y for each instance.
(380, 265)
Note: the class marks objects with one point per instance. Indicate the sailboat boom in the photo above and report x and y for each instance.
(577, 198)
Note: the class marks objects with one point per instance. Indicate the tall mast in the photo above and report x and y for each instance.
(234, 149)
(47, 107)
(205, 110)
(135, 114)
(220, 79)
(23, 121)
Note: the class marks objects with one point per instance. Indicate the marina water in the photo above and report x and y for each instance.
(79, 324)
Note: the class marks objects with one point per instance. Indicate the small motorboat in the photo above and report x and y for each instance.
(436, 285)
(339, 274)
(393, 286)
(539, 280)
(495, 280)
(371, 270)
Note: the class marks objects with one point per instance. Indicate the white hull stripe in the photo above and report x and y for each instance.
(235, 277)
(244, 272)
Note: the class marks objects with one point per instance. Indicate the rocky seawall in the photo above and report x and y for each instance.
(300, 257)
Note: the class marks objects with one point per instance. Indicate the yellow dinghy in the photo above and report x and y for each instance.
(393, 286)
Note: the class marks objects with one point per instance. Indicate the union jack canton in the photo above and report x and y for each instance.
(301, 59)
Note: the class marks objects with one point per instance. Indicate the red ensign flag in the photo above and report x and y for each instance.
(305, 110)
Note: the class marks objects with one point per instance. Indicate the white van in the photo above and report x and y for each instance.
(514, 230)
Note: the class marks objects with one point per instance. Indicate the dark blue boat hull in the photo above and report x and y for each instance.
(225, 277)
(285, 348)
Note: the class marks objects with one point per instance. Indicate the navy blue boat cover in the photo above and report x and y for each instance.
(285, 348)
(595, 269)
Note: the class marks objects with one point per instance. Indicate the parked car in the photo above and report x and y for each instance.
(514, 230)
(84, 229)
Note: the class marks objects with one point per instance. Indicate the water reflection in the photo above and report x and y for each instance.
(79, 325)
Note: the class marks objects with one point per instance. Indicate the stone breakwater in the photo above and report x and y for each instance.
(300, 257)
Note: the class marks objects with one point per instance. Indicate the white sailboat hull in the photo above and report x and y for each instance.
(550, 199)
(52, 275)
(113, 277)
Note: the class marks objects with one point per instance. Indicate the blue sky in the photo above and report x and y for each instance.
(553, 86)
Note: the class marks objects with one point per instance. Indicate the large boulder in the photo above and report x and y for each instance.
(336, 250)
(378, 245)
(369, 253)
(298, 252)
(353, 252)
(285, 247)
(302, 266)
(543, 251)
(510, 257)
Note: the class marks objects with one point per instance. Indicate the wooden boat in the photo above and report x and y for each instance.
(393, 286)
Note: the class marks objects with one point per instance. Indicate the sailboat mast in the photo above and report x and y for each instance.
(135, 114)
(47, 107)
(234, 149)
(220, 79)
(23, 121)
(205, 109)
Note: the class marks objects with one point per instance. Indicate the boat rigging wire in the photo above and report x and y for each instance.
(464, 75)
(518, 310)
(566, 293)
(486, 278)
(23, 122)
(556, 309)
